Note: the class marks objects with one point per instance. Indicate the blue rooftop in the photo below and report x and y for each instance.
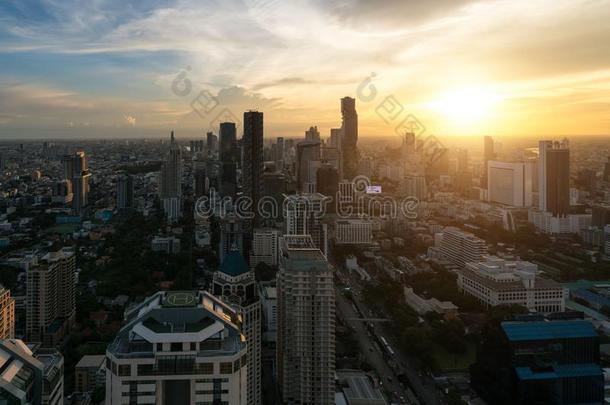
(234, 265)
(526, 331)
(592, 297)
(560, 371)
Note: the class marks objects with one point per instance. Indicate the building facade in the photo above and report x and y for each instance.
(178, 348)
(51, 297)
(7, 314)
(494, 281)
(460, 247)
(306, 324)
(235, 284)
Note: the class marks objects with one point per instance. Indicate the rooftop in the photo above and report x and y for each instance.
(234, 265)
(528, 331)
(559, 371)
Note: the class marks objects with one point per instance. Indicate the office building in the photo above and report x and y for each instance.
(167, 244)
(201, 183)
(488, 154)
(349, 137)
(30, 377)
(268, 294)
(51, 297)
(124, 192)
(356, 231)
(265, 247)
(232, 234)
(327, 183)
(506, 183)
(77, 173)
(170, 187)
(306, 324)
(494, 281)
(228, 142)
(211, 143)
(252, 144)
(312, 134)
(182, 348)
(304, 214)
(308, 162)
(552, 362)
(7, 314)
(460, 247)
(554, 177)
(235, 284)
(88, 373)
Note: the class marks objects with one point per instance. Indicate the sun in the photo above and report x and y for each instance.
(467, 104)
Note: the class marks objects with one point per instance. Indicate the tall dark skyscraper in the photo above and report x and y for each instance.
(488, 154)
(124, 192)
(554, 177)
(252, 144)
(211, 143)
(77, 173)
(349, 140)
(229, 157)
(228, 141)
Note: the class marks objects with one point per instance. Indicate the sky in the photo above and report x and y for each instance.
(71, 68)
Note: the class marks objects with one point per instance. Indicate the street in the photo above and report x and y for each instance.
(423, 386)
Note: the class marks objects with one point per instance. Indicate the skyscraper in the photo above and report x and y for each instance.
(349, 137)
(554, 177)
(77, 173)
(488, 154)
(211, 143)
(170, 187)
(124, 192)
(312, 134)
(232, 232)
(51, 297)
(306, 324)
(308, 161)
(7, 314)
(235, 283)
(303, 214)
(252, 144)
(228, 141)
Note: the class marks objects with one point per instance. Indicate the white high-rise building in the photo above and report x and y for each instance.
(506, 183)
(182, 348)
(460, 247)
(306, 324)
(235, 284)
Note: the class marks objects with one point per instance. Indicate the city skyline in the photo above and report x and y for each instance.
(91, 71)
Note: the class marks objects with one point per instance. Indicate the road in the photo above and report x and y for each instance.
(423, 386)
(369, 349)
